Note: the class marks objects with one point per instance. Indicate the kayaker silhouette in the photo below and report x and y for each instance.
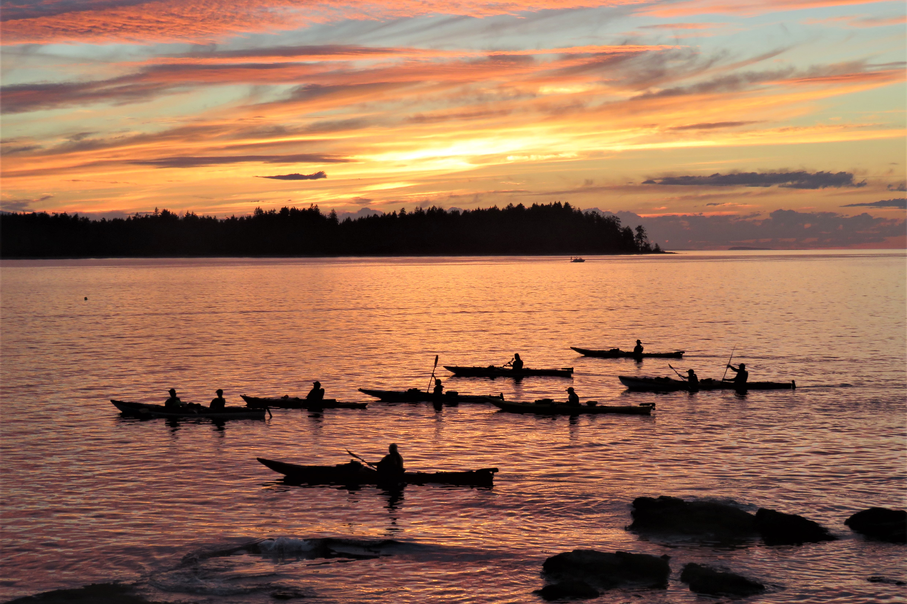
(572, 397)
(174, 400)
(742, 373)
(316, 394)
(391, 465)
(692, 378)
(218, 403)
(637, 350)
(516, 362)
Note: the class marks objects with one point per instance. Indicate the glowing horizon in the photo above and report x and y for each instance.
(118, 107)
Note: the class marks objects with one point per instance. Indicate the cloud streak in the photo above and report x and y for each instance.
(792, 180)
(297, 176)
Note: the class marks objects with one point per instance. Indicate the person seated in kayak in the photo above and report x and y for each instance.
(572, 397)
(516, 362)
(742, 373)
(316, 394)
(174, 400)
(692, 379)
(391, 465)
(217, 404)
(637, 350)
(438, 390)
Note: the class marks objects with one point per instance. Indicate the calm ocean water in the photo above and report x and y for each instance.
(169, 509)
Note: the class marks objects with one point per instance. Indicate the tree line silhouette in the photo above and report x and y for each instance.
(541, 229)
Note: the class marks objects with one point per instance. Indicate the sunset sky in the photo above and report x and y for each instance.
(714, 123)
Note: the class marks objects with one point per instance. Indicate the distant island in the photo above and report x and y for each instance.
(542, 229)
(749, 249)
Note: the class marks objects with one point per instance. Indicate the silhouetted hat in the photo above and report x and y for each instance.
(219, 391)
(690, 371)
(638, 342)
(742, 365)
(172, 392)
(570, 389)
(317, 383)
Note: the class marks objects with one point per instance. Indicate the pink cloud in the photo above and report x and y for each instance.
(109, 21)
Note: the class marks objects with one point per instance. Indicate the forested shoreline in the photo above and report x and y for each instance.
(541, 229)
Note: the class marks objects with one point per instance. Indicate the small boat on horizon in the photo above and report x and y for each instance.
(577, 259)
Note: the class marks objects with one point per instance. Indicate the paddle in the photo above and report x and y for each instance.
(677, 372)
(728, 362)
(371, 465)
(432, 378)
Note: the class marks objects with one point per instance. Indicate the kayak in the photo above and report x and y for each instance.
(287, 402)
(495, 372)
(414, 395)
(617, 353)
(354, 473)
(146, 411)
(667, 384)
(549, 407)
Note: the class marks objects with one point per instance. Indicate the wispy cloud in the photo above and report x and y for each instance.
(297, 176)
(888, 203)
(792, 180)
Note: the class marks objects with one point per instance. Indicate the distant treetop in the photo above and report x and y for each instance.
(541, 229)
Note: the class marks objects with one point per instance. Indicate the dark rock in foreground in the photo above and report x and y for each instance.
(608, 571)
(778, 528)
(706, 520)
(568, 590)
(886, 580)
(881, 524)
(714, 582)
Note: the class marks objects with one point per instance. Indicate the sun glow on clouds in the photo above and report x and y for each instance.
(192, 103)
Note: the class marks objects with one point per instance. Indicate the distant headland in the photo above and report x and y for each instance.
(541, 229)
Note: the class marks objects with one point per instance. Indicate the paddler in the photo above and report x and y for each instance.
(637, 350)
(516, 362)
(742, 374)
(316, 394)
(572, 397)
(391, 465)
(217, 404)
(174, 400)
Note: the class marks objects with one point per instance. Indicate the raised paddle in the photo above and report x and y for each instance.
(728, 362)
(432, 378)
(677, 372)
(369, 464)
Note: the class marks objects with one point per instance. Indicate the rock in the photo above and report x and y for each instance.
(778, 528)
(714, 582)
(706, 520)
(567, 590)
(608, 571)
(886, 580)
(881, 524)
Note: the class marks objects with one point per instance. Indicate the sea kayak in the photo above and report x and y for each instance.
(667, 384)
(549, 407)
(146, 411)
(495, 372)
(617, 353)
(355, 473)
(288, 402)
